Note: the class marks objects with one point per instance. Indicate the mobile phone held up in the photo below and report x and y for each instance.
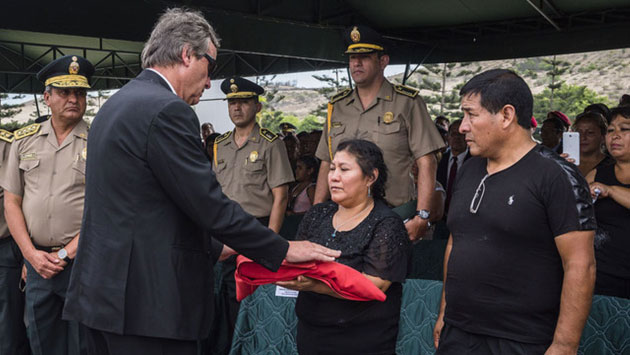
(571, 145)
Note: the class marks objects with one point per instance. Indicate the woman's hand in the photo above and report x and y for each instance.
(303, 283)
(566, 157)
(437, 330)
(604, 190)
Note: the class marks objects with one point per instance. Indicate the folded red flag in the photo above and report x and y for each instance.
(343, 280)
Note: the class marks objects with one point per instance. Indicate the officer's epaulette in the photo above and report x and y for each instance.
(6, 135)
(406, 90)
(340, 95)
(268, 135)
(27, 131)
(222, 137)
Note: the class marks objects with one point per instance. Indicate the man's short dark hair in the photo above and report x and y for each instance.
(500, 87)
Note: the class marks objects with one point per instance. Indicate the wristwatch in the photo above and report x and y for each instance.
(63, 255)
(424, 214)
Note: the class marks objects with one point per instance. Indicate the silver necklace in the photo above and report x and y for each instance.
(334, 234)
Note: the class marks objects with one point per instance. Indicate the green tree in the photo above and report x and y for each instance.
(556, 68)
(13, 125)
(310, 123)
(440, 100)
(570, 99)
(8, 110)
(270, 120)
(333, 85)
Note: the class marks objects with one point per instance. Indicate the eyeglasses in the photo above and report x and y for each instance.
(212, 64)
(476, 201)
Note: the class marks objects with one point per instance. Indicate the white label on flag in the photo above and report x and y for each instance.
(285, 292)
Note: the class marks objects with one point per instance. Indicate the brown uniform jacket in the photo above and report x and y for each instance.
(247, 174)
(397, 121)
(51, 180)
(6, 138)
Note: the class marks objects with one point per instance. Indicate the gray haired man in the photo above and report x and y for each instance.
(142, 282)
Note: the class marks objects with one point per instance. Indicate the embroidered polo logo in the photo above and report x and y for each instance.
(511, 200)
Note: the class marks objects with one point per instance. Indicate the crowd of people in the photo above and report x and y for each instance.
(113, 239)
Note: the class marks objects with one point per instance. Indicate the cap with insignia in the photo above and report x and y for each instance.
(362, 39)
(239, 88)
(287, 127)
(71, 71)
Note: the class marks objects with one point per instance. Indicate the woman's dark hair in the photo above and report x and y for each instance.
(594, 117)
(601, 109)
(311, 163)
(623, 111)
(369, 157)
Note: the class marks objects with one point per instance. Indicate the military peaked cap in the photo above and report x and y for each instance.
(239, 88)
(362, 39)
(71, 71)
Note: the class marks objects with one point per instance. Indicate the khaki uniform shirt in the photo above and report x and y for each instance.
(4, 154)
(396, 122)
(51, 180)
(247, 174)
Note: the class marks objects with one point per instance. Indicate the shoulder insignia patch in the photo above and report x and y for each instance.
(222, 137)
(406, 90)
(6, 136)
(340, 95)
(27, 131)
(268, 135)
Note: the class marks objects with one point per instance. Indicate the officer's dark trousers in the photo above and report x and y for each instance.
(105, 343)
(48, 333)
(12, 331)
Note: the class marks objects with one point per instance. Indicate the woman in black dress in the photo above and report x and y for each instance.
(372, 240)
(612, 209)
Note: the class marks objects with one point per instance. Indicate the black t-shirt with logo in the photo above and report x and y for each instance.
(504, 274)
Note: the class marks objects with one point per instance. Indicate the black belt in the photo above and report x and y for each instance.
(48, 249)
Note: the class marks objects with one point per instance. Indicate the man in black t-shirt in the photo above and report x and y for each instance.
(519, 264)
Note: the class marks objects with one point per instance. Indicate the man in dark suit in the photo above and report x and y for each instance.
(142, 280)
(452, 161)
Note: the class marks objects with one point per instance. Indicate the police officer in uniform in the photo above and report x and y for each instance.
(44, 184)
(291, 142)
(395, 118)
(12, 331)
(253, 169)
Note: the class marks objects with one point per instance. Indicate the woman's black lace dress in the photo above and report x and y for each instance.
(378, 246)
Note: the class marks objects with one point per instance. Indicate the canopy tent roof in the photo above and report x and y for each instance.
(261, 37)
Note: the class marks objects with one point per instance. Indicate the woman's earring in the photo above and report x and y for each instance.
(369, 191)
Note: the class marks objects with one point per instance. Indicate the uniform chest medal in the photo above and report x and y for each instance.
(253, 156)
(84, 154)
(388, 117)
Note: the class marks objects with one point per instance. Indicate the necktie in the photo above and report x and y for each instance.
(450, 183)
